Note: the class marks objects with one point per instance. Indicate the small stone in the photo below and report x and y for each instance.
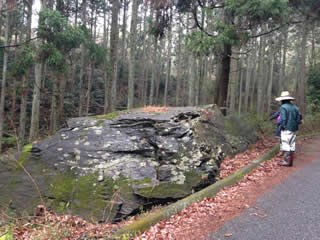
(60, 149)
(98, 132)
(100, 178)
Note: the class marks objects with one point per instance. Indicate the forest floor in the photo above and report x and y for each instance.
(195, 221)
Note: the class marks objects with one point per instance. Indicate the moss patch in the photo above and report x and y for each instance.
(171, 190)
(107, 116)
(24, 155)
(86, 196)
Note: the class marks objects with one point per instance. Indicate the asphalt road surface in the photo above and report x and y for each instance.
(290, 211)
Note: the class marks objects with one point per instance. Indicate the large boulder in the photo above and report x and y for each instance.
(109, 167)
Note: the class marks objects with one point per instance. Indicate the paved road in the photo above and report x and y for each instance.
(290, 211)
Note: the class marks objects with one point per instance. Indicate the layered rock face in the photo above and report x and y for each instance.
(112, 168)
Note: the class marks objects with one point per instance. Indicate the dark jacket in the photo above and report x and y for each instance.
(290, 117)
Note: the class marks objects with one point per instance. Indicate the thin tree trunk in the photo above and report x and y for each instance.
(233, 79)
(254, 80)
(154, 70)
(270, 83)
(14, 88)
(179, 66)
(168, 75)
(4, 79)
(132, 53)
(302, 69)
(248, 82)
(88, 94)
(83, 61)
(284, 60)
(260, 83)
(192, 73)
(114, 36)
(54, 104)
(23, 113)
(241, 75)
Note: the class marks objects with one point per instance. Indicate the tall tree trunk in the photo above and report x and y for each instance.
(14, 87)
(132, 53)
(154, 70)
(223, 79)
(233, 79)
(114, 36)
(260, 82)
(23, 113)
(241, 76)
(35, 116)
(179, 66)
(124, 29)
(54, 104)
(88, 94)
(83, 61)
(25, 90)
(270, 83)
(192, 77)
(106, 57)
(284, 60)
(145, 55)
(62, 90)
(4, 78)
(254, 79)
(302, 70)
(168, 75)
(248, 82)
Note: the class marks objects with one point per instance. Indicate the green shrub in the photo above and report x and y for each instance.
(261, 124)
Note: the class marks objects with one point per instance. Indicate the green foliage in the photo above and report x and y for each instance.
(311, 124)
(260, 123)
(259, 11)
(7, 235)
(96, 53)
(313, 95)
(60, 37)
(202, 44)
(24, 61)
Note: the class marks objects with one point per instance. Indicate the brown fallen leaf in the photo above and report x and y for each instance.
(228, 235)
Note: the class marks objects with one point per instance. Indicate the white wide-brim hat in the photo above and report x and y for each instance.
(285, 95)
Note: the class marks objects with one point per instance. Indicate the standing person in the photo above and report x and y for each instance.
(290, 120)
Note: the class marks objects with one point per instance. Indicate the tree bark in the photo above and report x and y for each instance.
(4, 78)
(88, 94)
(132, 53)
(168, 75)
(233, 79)
(302, 70)
(241, 75)
(114, 37)
(284, 61)
(223, 78)
(154, 70)
(270, 82)
(54, 104)
(260, 82)
(83, 61)
(179, 66)
(35, 116)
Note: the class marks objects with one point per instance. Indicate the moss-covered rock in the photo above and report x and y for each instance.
(109, 167)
